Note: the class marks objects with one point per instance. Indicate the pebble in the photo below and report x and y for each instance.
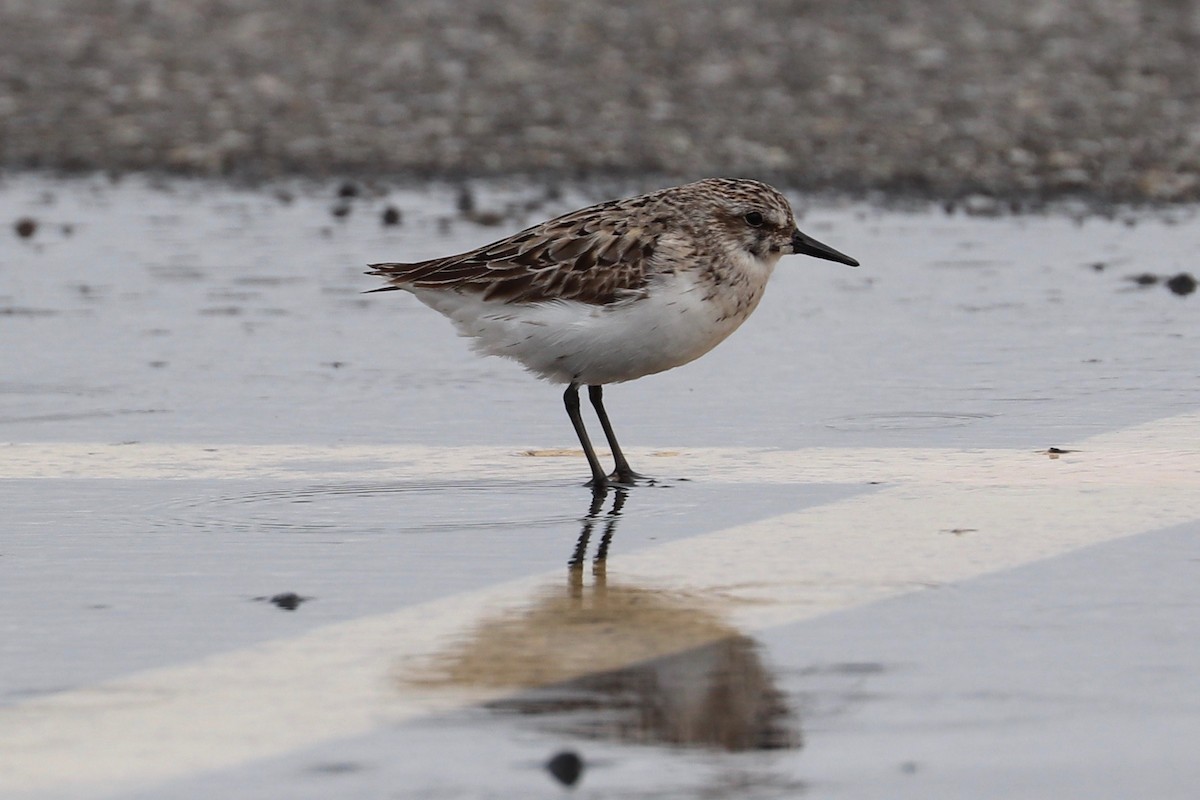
(1182, 284)
(953, 99)
(288, 601)
(25, 227)
(566, 767)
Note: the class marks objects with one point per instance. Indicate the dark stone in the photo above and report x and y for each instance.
(288, 601)
(1182, 284)
(566, 767)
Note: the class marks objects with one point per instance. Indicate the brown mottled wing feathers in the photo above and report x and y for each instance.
(597, 255)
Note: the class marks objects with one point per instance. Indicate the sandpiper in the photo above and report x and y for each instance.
(618, 290)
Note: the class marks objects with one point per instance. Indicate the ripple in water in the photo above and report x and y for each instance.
(384, 508)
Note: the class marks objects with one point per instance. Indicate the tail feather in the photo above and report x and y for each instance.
(390, 271)
(421, 273)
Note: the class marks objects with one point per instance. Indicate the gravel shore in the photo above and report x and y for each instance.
(1025, 99)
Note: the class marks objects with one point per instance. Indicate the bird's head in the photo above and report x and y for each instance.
(758, 219)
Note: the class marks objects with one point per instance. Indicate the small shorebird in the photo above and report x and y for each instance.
(618, 290)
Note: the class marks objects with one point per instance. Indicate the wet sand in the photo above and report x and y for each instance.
(920, 527)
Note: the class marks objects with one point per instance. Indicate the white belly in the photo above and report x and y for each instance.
(567, 341)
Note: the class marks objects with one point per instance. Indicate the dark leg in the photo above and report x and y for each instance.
(623, 473)
(599, 481)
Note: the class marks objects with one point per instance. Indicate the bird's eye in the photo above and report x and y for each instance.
(754, 219)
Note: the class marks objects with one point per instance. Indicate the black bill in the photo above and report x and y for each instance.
(806, 245)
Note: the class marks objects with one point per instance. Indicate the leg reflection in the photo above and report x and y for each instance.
(594, 516)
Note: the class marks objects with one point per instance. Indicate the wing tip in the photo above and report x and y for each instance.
(382, 271)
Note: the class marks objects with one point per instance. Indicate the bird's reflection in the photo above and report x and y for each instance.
(625, 662)
(717, 695)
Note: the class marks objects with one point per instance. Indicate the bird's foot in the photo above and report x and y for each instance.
(599, 484)
(628, 477)
(618, 480)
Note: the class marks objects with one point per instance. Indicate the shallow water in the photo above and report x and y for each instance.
(286, 433)
(189, 312)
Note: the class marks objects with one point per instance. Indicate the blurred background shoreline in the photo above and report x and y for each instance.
(1024, 101)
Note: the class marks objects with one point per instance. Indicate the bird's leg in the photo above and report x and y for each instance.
(623, 473)
(599, 481)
